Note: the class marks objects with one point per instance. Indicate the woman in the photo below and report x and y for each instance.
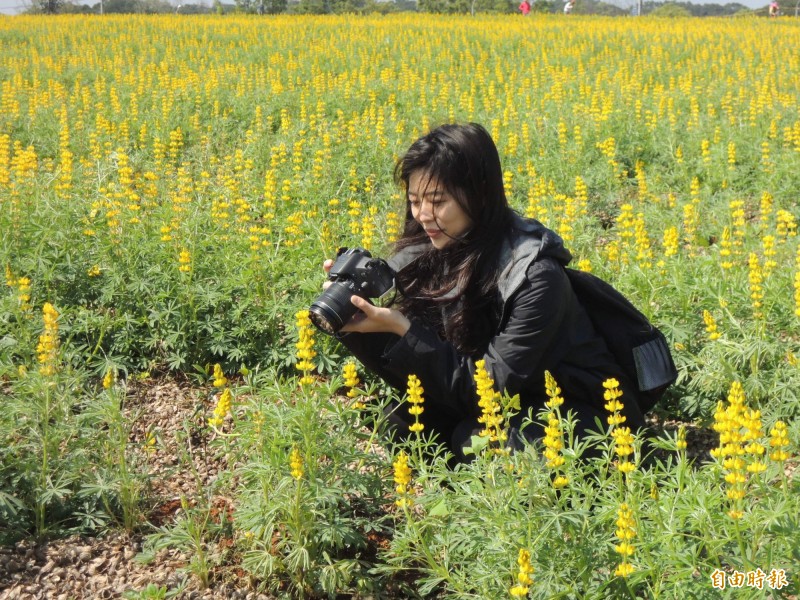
(481, 283)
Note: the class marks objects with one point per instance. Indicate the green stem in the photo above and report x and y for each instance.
(298, 528)
(100, 339)
(420, 542)
(742, 547)
(43, 474)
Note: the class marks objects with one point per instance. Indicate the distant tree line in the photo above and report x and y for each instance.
(266, 7)
(271, 7)
(694, 10)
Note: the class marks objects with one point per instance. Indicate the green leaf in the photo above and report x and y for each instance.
(477, 444)
(513, 402)
(440, 509)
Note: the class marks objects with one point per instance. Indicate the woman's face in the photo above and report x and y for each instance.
(433, 207)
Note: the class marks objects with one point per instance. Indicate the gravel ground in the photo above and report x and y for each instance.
(107, 567)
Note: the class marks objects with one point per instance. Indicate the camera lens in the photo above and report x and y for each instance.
(332, 309)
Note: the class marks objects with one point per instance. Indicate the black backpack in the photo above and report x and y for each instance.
(638, 346)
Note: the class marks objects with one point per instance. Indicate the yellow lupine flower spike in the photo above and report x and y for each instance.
(219, 377)
(524, 579)
(402, 480)
(416, 400)
(296, 464)
(488, 401)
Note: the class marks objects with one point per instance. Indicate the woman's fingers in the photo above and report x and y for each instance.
(363, 305)
(326, 266)
(376, 319)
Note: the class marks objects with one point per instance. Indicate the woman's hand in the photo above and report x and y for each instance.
(375, 319)
(371, 318)
(326, 266)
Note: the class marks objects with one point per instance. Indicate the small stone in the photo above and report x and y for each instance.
(13, 566)
(49, 566)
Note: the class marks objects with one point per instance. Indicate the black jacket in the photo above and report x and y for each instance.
(542, 327)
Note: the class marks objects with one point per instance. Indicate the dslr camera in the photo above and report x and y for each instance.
(354, 272)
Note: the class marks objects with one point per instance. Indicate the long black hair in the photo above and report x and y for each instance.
(461, 278)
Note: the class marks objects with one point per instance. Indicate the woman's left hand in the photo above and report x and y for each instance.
(375, 319)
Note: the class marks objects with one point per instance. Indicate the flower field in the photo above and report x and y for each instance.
(169, 188)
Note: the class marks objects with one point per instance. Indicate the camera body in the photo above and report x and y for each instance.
(355, 272)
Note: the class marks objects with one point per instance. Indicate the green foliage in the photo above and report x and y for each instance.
(670, 9)
(317, 512)
(446, 6)
(696, 9)
(542, 6)
(152, 592)
(66, 463)
(218, 161)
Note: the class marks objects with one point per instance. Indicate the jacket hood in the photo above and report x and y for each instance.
(527, 241)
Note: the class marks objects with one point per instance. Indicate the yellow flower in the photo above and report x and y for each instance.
(560, 481)
(351, 378)
(671, 241)
(184, 261)
(524, 579)
(680, 444)
(222, 408)
(150, 443)
(553, 391)
(489, 403)
(756, 279)
(47, 348)
(613, 405)
(296, 464)
(623, 441)
(553, 442)
(352, 381)
(416, 400)
(108, 380)
(622, 436)
(624, 569)
(626, 531)
(735, 514)
(305, 346)
(779, 439)
(402, 480)
(554, 434)
(739, 451)
(219, 377)
(711, 326)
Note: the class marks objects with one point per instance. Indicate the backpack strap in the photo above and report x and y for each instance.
(405, 257)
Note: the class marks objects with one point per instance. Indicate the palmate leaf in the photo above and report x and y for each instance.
(10, 505)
